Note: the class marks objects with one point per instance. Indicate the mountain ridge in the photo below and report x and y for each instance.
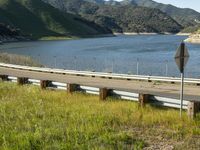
(126, 18)
(184, 16)
(37, 19)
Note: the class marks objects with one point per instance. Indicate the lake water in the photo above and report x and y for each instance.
(153, 54)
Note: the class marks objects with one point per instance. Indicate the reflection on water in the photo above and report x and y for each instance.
(153, 54)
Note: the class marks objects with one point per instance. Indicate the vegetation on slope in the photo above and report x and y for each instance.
(198, 31)
(6, 30)
(36, 119)
(120, 18)
(190, 29)
(194, 37)
(8, 33)
(184, 16)
(38, 19)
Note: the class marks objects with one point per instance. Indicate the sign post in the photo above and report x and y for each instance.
(181, 59)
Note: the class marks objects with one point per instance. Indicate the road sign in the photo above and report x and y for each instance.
(181, 58)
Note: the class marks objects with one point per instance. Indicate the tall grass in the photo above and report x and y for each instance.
(18, 59)
(36, 119)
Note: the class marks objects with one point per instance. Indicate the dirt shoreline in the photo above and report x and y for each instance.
(193, 38)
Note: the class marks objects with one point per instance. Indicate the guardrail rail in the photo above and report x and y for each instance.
(192, 106)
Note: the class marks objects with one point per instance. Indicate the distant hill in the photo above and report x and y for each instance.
(184, 16)
(119, 18)
(38, 19)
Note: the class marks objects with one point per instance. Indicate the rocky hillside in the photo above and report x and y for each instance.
(184, 16)
(194, 38)
(118, 18)
(8, 33)
(37, 19)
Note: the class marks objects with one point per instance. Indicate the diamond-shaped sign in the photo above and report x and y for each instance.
(182, 57)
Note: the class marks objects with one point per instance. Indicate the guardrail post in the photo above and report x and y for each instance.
(149, 80)
(4, 77)
(21, 81)
(143, 99)
(193, 109)
(103, 94)
(44, 84)
(72, 88)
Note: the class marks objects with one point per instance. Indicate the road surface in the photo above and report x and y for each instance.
(191, 92)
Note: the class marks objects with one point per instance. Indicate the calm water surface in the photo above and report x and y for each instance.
(154, 54)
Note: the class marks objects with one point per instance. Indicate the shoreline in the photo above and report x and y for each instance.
(183, 34)
(135, 33)
(8, 39)
(193, 38)
(151, 33)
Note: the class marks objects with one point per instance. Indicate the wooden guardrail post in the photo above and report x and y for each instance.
(72, 88)
(21, 81)
(4, 77)
(103, 94)
(193, 109)
(143, 99)
(44, 84)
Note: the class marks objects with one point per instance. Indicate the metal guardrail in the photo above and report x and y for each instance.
(156, 100)
(104, 75)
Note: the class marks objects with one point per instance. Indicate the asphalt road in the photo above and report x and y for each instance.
(191, 92)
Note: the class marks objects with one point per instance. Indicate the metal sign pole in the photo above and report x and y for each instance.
(181, 93)
(181, 59)
(182, 75)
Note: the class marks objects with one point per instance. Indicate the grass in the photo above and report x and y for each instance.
(36, 119)
(18, 59)
(47, 38)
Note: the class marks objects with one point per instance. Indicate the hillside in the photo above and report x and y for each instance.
(194, 37)
(184, 16)
(7, 33)
(119, 18)
(38, 19)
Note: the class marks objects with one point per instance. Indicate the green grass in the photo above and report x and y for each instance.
(36, 119)
(47, 38)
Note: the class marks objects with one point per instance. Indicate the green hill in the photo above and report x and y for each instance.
(38, 19)
(184, 16)
(127, 18)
